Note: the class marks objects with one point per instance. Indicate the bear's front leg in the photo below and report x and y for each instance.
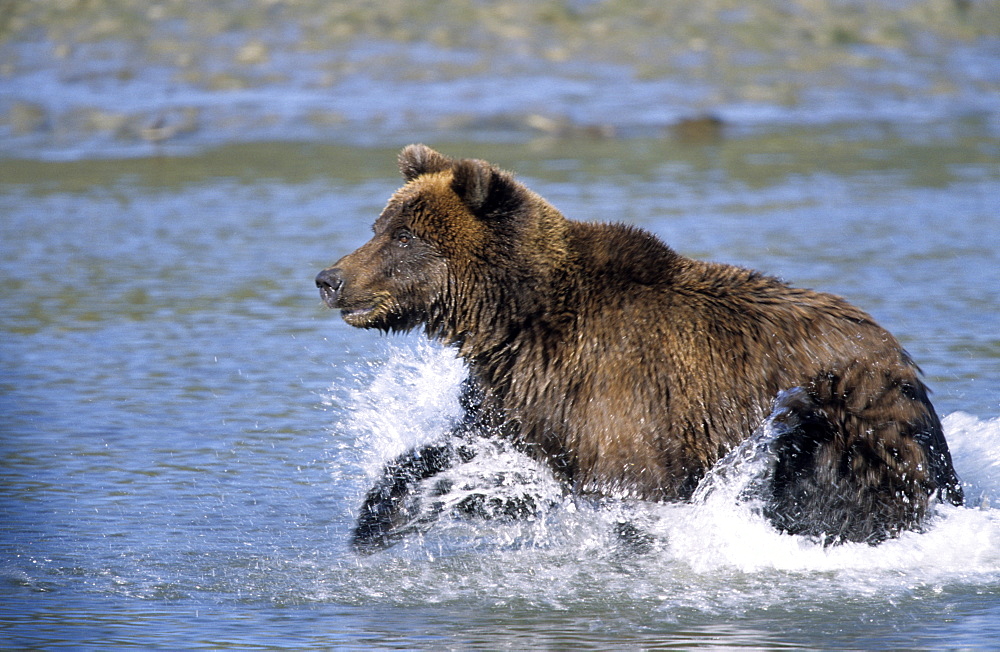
(390, 507)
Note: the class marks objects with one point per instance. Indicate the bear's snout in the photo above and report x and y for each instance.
(329, 282)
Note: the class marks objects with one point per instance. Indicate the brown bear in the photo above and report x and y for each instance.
(630, 369)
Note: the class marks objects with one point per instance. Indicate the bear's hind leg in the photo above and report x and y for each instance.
(853, 457)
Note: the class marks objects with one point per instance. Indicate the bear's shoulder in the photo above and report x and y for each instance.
(609, 251)
(629, 265)
(605, 252)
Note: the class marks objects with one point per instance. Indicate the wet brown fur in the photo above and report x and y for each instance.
(632, 369)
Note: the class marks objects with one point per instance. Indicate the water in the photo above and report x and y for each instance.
(187, 432)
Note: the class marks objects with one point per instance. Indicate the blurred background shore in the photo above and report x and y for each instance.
(99, 78)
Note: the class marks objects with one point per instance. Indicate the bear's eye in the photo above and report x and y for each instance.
(403, 237)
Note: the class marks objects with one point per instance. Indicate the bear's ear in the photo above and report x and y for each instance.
(416, 160)
(484, 189)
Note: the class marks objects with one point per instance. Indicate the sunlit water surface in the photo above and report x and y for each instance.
(187, 433)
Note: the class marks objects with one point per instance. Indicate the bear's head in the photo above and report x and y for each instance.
(457, 249)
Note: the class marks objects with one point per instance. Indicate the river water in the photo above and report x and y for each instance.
(187, 432)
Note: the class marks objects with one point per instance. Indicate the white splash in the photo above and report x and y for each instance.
(720, 530)
(408, 399)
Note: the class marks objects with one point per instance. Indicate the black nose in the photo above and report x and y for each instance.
(329, 282)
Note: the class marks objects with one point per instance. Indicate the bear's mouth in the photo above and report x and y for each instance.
(366, 311)
(356, 314)
(364, 316)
